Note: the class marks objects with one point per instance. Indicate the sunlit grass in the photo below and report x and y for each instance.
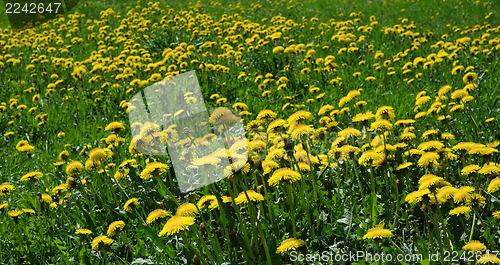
(370, 126)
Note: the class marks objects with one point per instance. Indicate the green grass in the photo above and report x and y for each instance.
(330, 208)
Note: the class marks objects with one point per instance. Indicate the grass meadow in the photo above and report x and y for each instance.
(371, 126)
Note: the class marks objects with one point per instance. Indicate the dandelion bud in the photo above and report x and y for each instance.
(256, 160)
(196, 259)
(202, 228)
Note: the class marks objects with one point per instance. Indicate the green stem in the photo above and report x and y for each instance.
(243, 229)
(304, 194)
(184, 239)
(435, 224)
(213, 239)
(445, 230)
(167, 190)
(289, 196)
(397, 247)
(259, 228)
(473, 226)
(266, 196)
(373, 198)
(223, 218)
(473, 121)
(398, 203)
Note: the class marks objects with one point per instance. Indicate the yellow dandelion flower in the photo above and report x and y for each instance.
(489, 258)
(462, 193)
(5, 188)
(459, 94)
(428, 158)
(363, 117)
(405, 136)
(115, 228)
(490, 168)
(470, 169)
(254, 126)
(385, 112)
(404, 122)
(303, 166)
(278, 125)
(15, 213)
(276, 154)
(63, 155)
(187, 209)
(156, 215)
(265, 115)
(457, 107)
(344, 100)
(100, 154)
(45, 198)
(445, 193)
(83, 231)
(154, 169)
(475, 199)
(361, 104)
(3, 206)
(404, 165)
(221, 101)
(492, 187)
(32, 176)
(176, 224)
(474, 246)
(131, 204)
(430, 145)
(381, 125)
(460, 210)
(101, 242)
(493, 144)
(59, 189)
(417, 196)
(482, 151)
(324, 109)
(269, 165)
(349, 132)
(299, 117)
(377, 232)
(447, 136)
(469, 78)
(370, 158)
(74, 168)
(28, 211)
(301, 131)
(290, 244)
(223, 116)
(91, 164)
(466, 146)
(283, 175)
(121, 173)
(252, 195)
(430, 181)
(24, 146)
(206, 200)
(115, 126)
